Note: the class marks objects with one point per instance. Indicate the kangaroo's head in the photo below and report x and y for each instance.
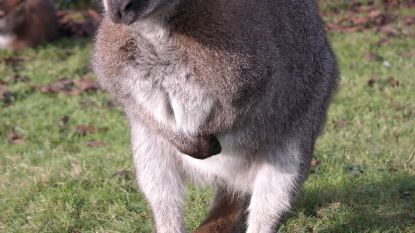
(11, 15)
(129, 11)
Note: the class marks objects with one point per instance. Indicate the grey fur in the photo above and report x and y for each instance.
(266, 66)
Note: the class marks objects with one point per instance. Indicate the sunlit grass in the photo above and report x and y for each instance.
(54, 182)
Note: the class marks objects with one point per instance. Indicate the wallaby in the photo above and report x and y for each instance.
(250, 80)
(26, 23)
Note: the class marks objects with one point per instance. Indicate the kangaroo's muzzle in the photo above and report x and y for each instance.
(126, 11)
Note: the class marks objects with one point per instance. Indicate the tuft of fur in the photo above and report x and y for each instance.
(26, 23)
(256, 75)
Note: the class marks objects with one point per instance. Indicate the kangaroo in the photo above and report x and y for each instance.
(26, 23)
(242, 85)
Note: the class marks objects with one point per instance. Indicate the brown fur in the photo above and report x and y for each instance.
(226, 215)
(30, 22)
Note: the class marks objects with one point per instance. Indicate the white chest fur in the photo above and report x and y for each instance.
(164, 89)
(5, 41)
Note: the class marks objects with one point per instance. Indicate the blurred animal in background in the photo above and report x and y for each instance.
(78, 24)
(26, 23)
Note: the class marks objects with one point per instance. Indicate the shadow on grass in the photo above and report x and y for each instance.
(387, 205)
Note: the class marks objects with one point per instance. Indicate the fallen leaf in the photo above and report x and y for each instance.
(365, 8)
(76, 170)
(360, 20)
(2, 91)
(407, 54)
(396, 107)
(69, 87)
(123, 174)
(375, 13)
(391, 3)
(12, 60)
(379, 19)
(88, 103)
(371, 82)
(353, 29)
(85, 129)
(341, 123)
(333, 27)
(362, 17)
(374, 57)
(409, 20)
(310, 229)
(5, 95)
(96, 144)
(85, 84)
(388, 30)
(393, 82)
(315, 163)
(65, 120)
(354, 170)
(76, 230)
(19, 78)
(110, 104)
(15, 138)
(61, 85)
(383, 41)
(408, 3)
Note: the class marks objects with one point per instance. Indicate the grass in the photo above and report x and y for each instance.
(54, 182)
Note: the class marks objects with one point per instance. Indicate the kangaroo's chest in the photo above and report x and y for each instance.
(163, 83)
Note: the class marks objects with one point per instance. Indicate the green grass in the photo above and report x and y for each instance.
(54, 182)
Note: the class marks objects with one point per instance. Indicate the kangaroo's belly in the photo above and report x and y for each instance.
(234, 168)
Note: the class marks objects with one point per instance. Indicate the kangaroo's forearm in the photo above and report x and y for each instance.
(178, 105)
(197, 146)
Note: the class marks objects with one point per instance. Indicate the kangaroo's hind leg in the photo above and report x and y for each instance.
(277, 184)
(227, 213)
(159, 178)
